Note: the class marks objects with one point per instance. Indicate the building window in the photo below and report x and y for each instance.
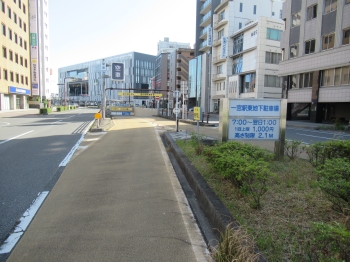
(10, 33)
(219, 69)
(26, 80)
(25, 45)
(272, 81)
(25, 27)
(19, 4)
(9, 13)
(248, 83)
(293, 50)
(21, 60)
(16, 58)
(5, 74)
(305, 80)
(241, 7)
(328, 77)
(4, 52)
(25, 63)
(345, 75)
(346, 36)
(11, 76)
(240, 26)
(281, 14)
(328, 41)
(254, 11)
(237, 65)
(20, 42)
(273, 58)
(273, 14)
(16, 38)
(11, 55)
(221, 16)
(238, 44)
(310, 46)
(24, 8)
(3, 6)
(17, 78)
(295, 19)
(294, 81)
(329, 6)
(20, 22)
(3, 29)
(273, 34)
(311, 12)
(220, 34)
(22, 79)
(15, 17)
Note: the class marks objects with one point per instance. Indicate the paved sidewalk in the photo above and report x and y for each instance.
(118, 200)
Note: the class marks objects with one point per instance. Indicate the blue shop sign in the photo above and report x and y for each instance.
(17, 90)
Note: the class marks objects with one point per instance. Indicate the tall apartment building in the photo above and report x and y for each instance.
(84, 81)
(39, 44)
(316, 60)
(179, 66)
(216, 21)
(15, 77)
(167, 47)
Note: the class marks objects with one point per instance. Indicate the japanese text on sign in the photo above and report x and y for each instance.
(259, 108)
(262, 129)
(197, 113)
(118, 71)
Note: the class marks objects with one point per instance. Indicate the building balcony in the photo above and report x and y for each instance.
(220, 23)
(182, 66)
(182, 75)
(218, 77)
(217, 42)
(203, 34)
(218, 59)
(206, 20)
(205, 7)
(221, 6)
(203, 47)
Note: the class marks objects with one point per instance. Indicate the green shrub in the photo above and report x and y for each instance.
(330, 243)
(293, 148)
(334, 181)
(319, 152)
(246, 166)
(45, 111)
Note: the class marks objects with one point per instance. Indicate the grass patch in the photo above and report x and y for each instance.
(283, 227)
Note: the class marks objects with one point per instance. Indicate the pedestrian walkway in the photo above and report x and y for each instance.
(118, 200)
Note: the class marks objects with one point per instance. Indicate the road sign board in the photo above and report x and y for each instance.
(176, 110)
(157, 98)
(197, 113)
(117, 72)
(103, 66)
(98, 116)
(177, 93)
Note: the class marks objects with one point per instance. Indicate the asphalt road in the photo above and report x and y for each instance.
(309, 136)
(32, 147)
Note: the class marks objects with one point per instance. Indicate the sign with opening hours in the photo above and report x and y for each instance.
(261, 108)
(254, 128)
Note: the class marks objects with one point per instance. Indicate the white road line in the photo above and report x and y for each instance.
(4, 124)
(3, 142)
(71, 153)
(56, 122)
(26, 218)
(320, 137)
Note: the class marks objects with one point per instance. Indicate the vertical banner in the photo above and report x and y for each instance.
(33, 28)
(210, 36)
(223, 47)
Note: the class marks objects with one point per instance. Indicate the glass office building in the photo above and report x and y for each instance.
(84, 82)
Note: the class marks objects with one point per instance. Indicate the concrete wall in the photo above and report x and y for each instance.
(145, 112)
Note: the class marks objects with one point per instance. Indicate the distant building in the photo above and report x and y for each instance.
(315, 66)
(39, 48)
(255, 61)
(15, 75)
(84, 82)
(179, 67)
(167, 47)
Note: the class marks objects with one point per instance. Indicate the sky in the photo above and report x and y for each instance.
(82, 31)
